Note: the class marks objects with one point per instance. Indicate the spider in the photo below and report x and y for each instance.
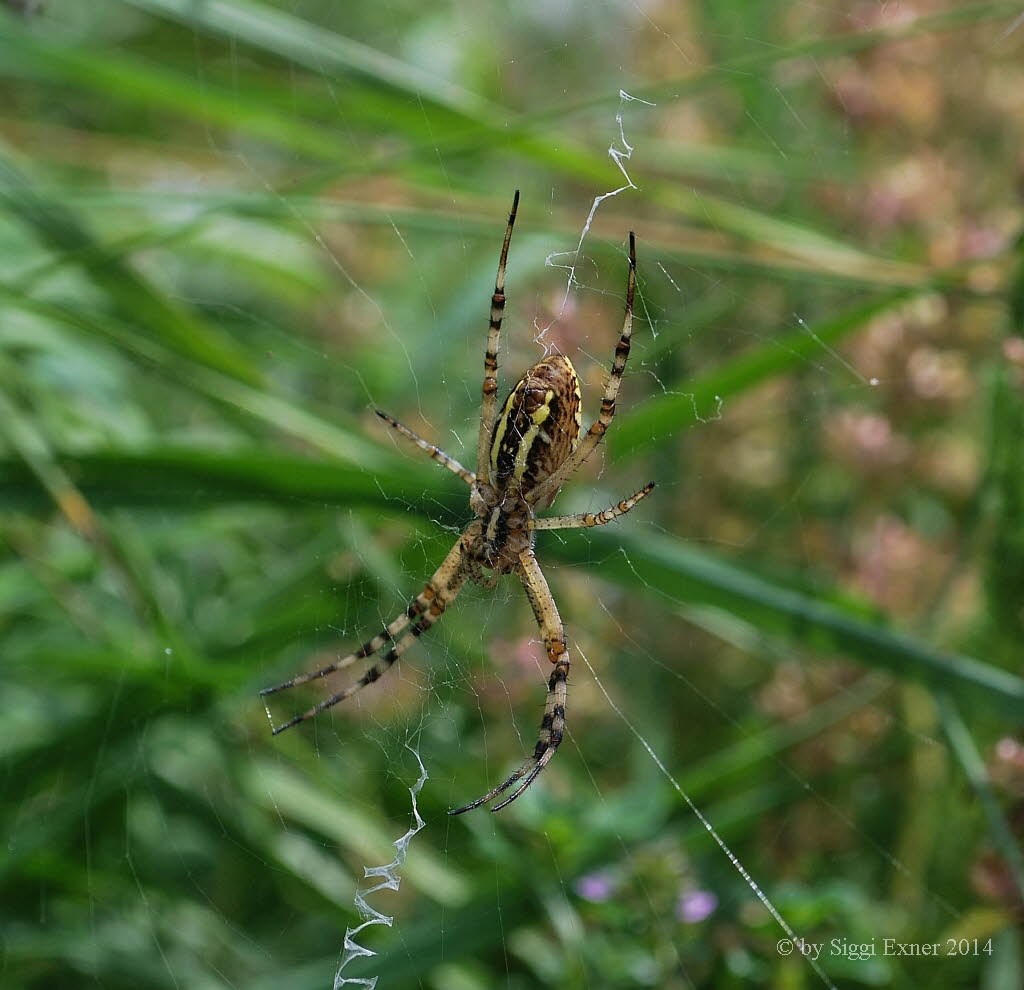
(525, 453)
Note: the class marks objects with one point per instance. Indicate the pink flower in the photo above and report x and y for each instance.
(694, 906)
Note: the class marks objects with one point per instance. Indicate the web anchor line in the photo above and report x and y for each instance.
(619, 155)
(720, 842)
(389, 880)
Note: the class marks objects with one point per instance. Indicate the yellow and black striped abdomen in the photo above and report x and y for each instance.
(538, 426)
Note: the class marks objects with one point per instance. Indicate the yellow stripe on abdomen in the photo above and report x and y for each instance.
(502, 425)
(537, 418)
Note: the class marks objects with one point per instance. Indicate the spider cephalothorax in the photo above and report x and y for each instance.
(525, 453)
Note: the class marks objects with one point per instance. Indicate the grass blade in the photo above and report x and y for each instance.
(658, 564)
(145, 310)
(689, 403)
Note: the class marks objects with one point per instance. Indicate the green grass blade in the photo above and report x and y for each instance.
(762, 61)
(260, 404)
(467, 219)
(325, 52)
(697, 401)
(145, 310)
(187, 477)
(319, 50)
(135, 81)
(963, 746)
(658, 565)
(664, 566)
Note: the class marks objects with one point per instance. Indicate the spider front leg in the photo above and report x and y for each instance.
(546, 489)
(489, 402)
(552, 726)
(431, 450)
(584, 520)
(424, 610)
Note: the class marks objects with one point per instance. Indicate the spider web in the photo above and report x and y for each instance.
(620, 152)
(389, 875)
(390, 879)
(606, 847)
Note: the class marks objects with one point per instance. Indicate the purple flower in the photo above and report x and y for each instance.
(695, 905)
(597, 887)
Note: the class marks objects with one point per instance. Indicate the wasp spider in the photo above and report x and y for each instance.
(525, 453)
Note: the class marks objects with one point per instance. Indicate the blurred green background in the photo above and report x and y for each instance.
(230, 230)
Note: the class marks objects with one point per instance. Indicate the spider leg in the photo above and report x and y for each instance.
(424, 610)
(583, 520)
(489, 403)
(552, 726)
(599, 427)
(436, 453)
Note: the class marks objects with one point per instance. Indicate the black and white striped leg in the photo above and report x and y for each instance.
(432, 451)
(599, 427)
(424, 610)
(552, 726)
(489, 403)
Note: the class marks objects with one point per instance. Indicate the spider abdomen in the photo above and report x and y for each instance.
(538, 426)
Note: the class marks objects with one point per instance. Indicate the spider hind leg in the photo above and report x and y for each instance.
(424, 610)
(552, 726)
(552, 730)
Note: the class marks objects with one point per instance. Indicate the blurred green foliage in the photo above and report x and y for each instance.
(232, 229)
